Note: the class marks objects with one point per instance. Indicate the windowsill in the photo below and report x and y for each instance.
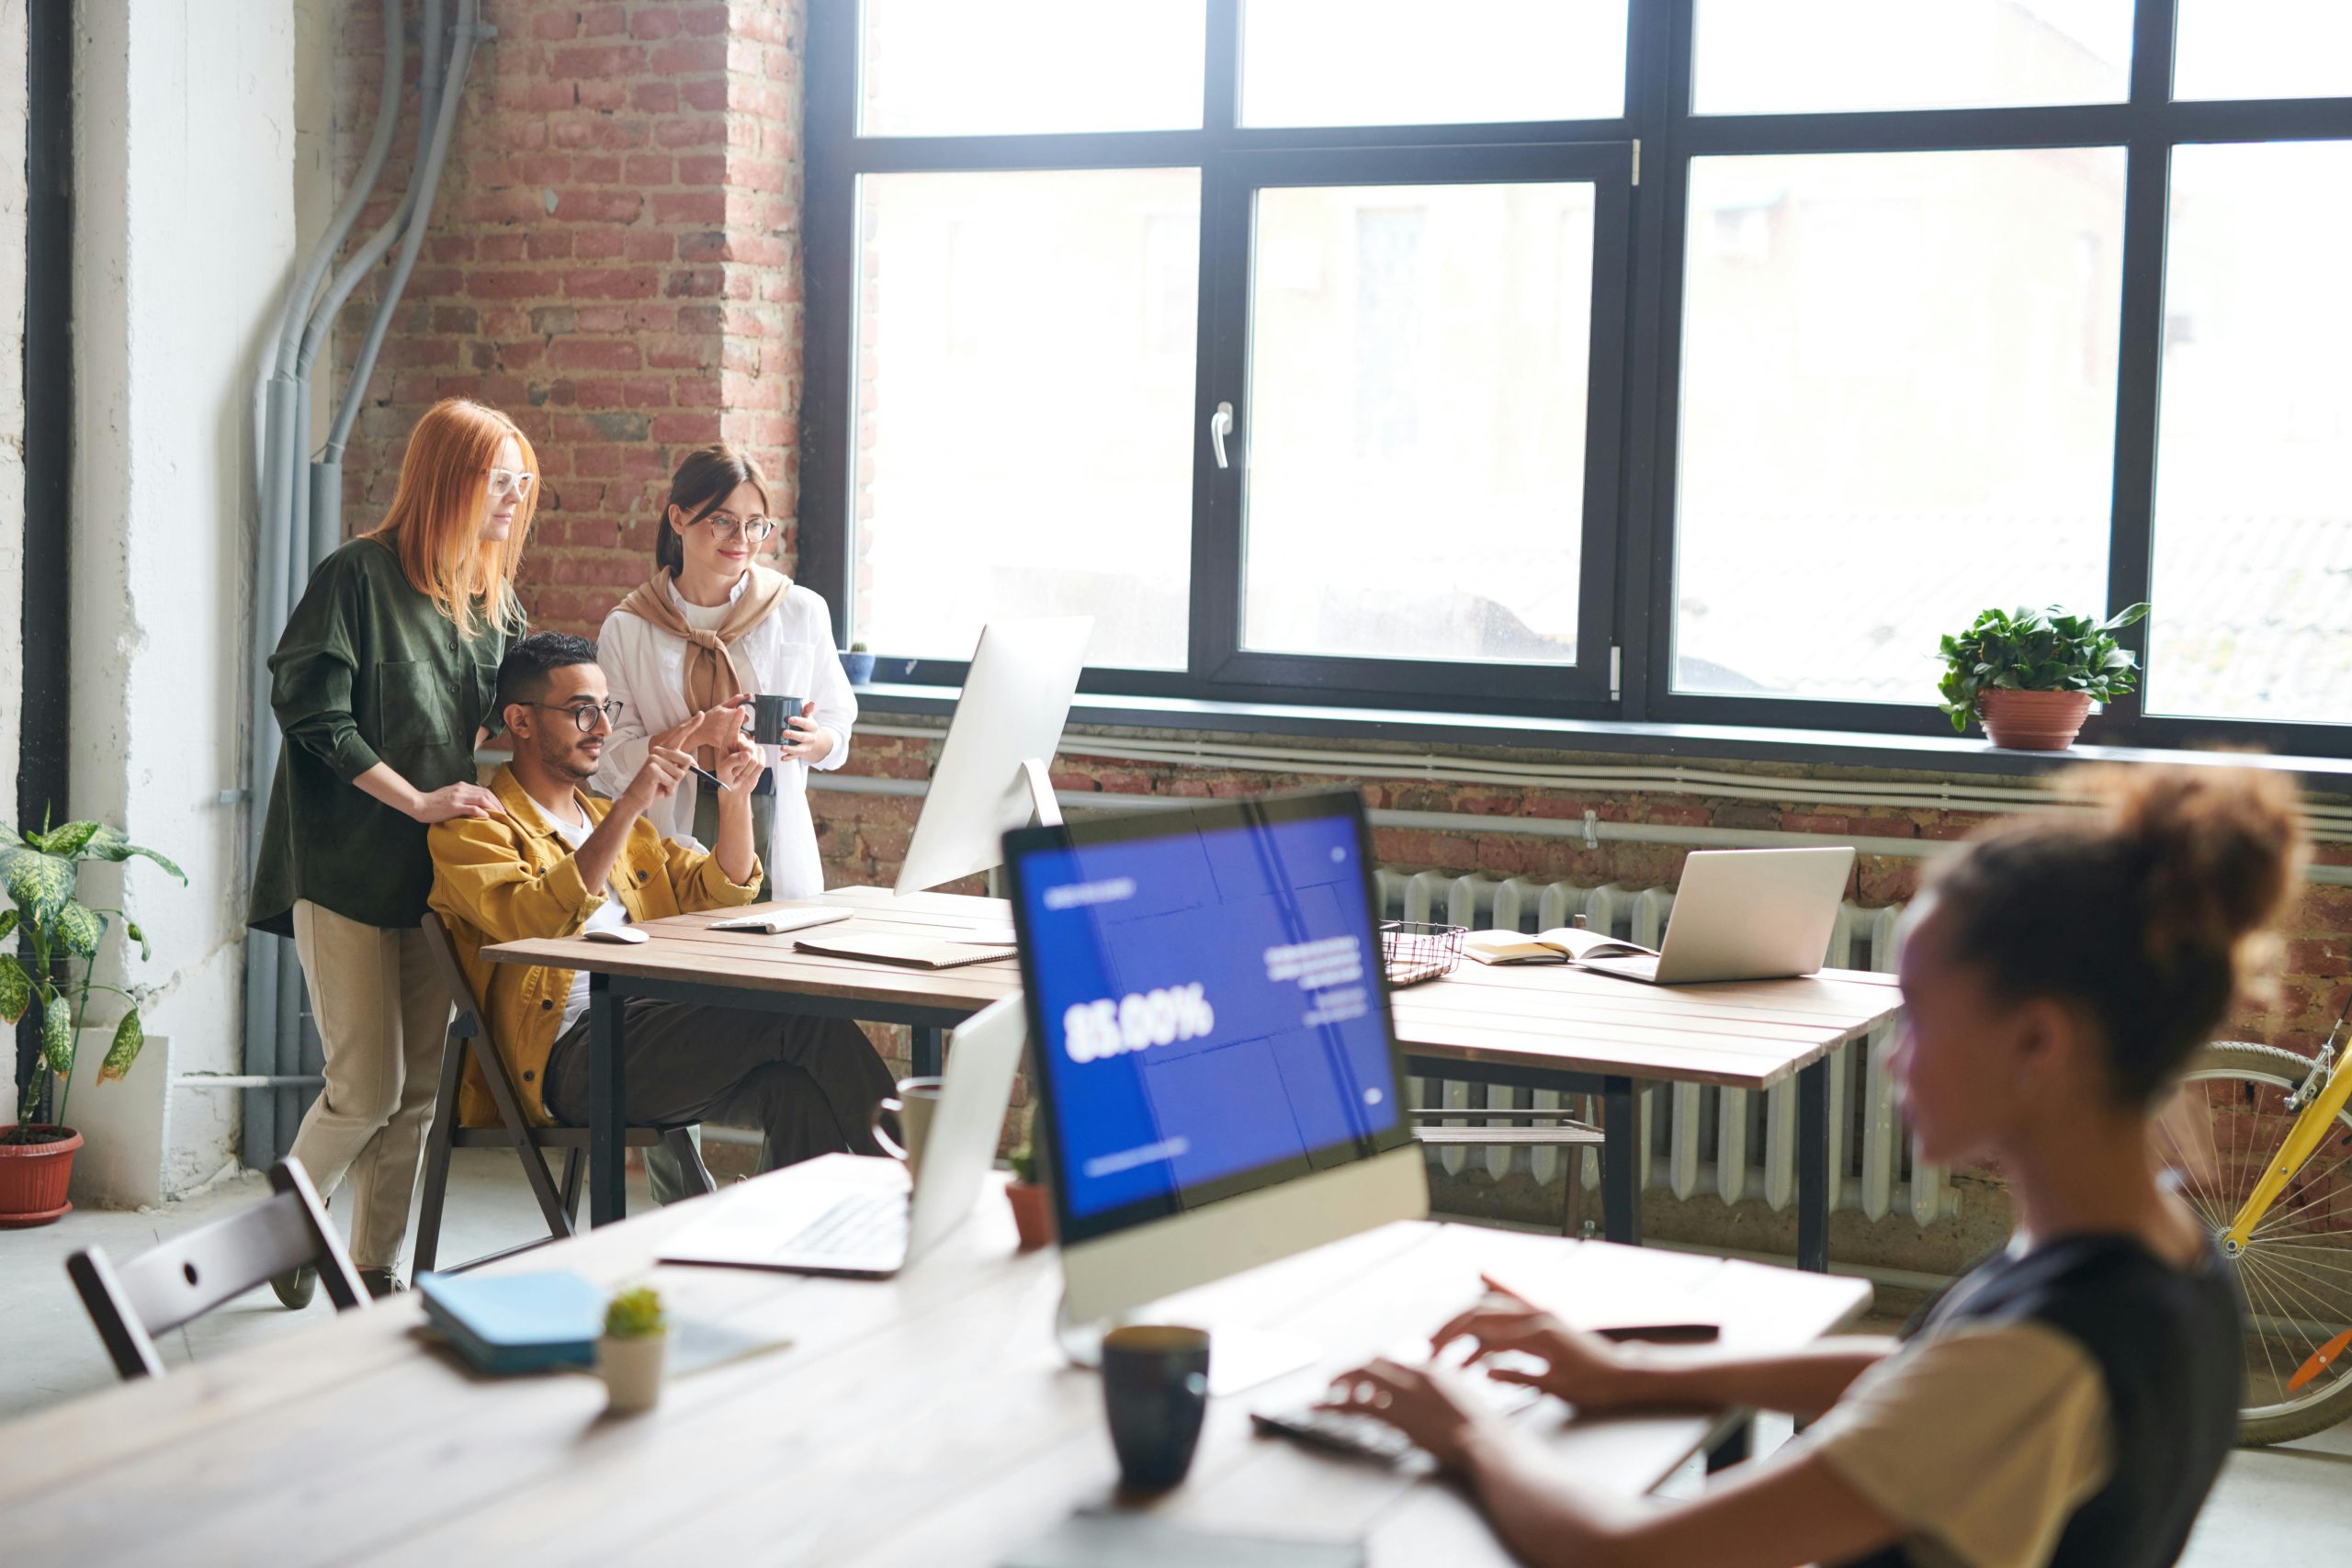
(1815, 747)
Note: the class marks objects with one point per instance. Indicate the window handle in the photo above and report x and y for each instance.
(1220, 426)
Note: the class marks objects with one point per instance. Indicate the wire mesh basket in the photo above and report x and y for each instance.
(1414, 951)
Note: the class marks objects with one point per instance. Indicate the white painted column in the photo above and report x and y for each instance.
(12, 124)
(183, 230)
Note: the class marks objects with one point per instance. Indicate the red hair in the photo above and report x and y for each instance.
(435, 524)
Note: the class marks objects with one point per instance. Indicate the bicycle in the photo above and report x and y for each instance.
(2262, 1138)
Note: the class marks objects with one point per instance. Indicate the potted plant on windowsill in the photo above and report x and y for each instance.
(2031, 675)
(41, 872)
(630, 1353)
(857, 664)
(1033, 1211)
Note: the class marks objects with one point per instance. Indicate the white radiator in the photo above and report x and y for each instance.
(1695, 1140)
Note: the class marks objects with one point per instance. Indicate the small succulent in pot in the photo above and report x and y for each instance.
(857, 664)
(2031, 675)
(630, 1356)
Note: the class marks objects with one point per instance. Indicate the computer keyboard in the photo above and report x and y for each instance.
(857, 1226)
(1340, 1431)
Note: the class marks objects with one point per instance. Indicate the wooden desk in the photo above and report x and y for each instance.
(927, 1419)
(685, 961)
(1545, 1026)
(1559, 1027)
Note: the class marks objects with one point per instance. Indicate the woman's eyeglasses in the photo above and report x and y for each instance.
(584, 715)
(504, 482)
(726, 528)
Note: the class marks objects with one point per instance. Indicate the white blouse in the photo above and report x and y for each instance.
(646, 669)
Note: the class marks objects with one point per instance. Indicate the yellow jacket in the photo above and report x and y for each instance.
(509, 878)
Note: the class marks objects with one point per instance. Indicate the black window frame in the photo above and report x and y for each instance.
(1623, 669)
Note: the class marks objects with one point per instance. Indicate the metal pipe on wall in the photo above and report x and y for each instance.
(301, 513)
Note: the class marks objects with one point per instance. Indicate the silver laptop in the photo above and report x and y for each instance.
(1744, 915)
(813, 1220)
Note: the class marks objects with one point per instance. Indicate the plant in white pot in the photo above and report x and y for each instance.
(41, 872)
(630, 1353)
(2031, 675)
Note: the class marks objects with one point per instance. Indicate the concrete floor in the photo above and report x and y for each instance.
(2272, 1504)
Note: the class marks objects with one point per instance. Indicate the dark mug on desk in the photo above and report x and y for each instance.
(903, 1121)
(1156, 1392)
(772, 718)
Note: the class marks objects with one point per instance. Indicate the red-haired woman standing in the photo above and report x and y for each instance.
(381, 683)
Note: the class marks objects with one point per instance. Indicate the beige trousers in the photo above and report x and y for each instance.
(384, 1019)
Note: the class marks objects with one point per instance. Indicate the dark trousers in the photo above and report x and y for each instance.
(808, 1085)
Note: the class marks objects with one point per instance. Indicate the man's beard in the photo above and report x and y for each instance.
(564, 761)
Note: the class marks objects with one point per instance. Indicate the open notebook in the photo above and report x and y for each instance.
(1562, 944)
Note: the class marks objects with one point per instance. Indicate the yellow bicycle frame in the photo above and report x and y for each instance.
(2303, 1139)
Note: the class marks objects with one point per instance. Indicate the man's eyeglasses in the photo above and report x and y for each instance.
(518, 483)
(726, 528)
(584, 715)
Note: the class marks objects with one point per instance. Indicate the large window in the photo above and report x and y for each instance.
(1697, 361)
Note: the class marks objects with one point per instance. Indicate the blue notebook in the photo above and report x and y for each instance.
(516, 1322)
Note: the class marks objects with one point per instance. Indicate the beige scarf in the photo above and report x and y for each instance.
(713, 671)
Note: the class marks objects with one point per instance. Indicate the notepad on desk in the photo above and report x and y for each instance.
(908, 951)
(1562, 944)
(516, 1322)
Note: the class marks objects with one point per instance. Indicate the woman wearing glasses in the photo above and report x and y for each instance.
(713, 624)
(381, 682)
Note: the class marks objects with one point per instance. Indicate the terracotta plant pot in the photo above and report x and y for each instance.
(2032, 721)
(33, 1178)
(1032, 1214)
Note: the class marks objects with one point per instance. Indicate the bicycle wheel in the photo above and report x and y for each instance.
(2296, 1268)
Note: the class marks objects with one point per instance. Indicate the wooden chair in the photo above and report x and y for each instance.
(181, 1279)
(469, 1037)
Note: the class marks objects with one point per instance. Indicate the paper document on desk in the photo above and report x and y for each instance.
(908, 951)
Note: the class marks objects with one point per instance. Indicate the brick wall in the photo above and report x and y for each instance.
(614, 260)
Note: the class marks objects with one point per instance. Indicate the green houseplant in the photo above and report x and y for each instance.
(41, 872)
(2031, 675)
(630, 1353)
(1033, 1211)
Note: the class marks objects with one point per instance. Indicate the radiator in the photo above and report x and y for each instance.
(1695, 1141)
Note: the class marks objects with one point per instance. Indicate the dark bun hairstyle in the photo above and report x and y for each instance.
(2149, 911)
(707, 475)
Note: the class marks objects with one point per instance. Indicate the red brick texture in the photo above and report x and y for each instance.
(614, 260)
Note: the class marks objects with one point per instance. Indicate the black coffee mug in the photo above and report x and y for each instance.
(1156, 1392)
(770, 717)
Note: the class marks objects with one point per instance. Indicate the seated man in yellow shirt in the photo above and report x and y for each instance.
(554, 860)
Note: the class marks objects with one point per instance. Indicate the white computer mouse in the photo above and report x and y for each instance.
(615, 933)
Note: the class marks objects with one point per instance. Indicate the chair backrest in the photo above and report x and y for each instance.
(470, 1027)
(183, 1279)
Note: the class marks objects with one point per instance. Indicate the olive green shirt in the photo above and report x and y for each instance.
(367, 672)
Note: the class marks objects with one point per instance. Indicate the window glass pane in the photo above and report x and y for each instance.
(1025, 408)
(2262, 48)
(1898, 408)
(2253, 583)
(1408, 62)
(964, 68)
(1822, 56)
(1416, 470)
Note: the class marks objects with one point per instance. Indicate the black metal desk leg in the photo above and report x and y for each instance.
(1734, 1447)
(1812, 1167)
(1620, 1159)
(607, 1189)
(925, 1052)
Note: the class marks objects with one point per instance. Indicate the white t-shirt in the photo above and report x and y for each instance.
(607, 916)
(645, 667)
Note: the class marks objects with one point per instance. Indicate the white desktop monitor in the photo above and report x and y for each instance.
(1218, 1079)
(991, 771)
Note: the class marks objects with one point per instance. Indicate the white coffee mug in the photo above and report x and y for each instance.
(914, 1105)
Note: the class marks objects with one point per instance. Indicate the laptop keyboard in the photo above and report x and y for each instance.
(1364, 1437)
(860, 1226)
